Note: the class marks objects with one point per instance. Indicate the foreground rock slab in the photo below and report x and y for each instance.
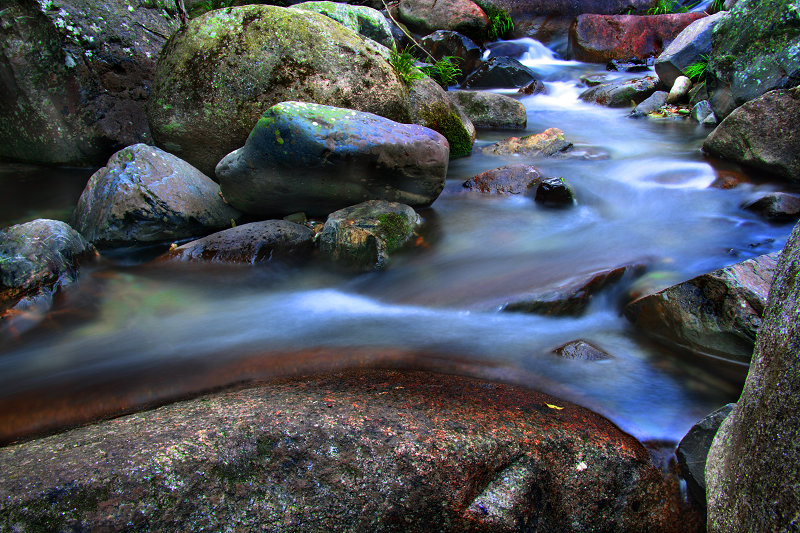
(717, 313)
(764, 133)
(146, 195)
(370, 450)
(317, 159)
(752, 476)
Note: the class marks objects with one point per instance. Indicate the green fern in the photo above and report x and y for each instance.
(500, 23)
(717, 6)
(403, 64)
(697, 70)
(664, 7)
(445, 71)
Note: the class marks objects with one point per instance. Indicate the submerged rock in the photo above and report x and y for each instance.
(550, 142)
(510, 179)
(366, 450)
(146, 195)
(693, 450)
(363, 236)
(623, 93)
(581, 350)
(572, 297)
(317, 159)
(75, 77)
(752, 478)
(41, 254)
(256, 242)
(717, 313)
(776, 206)
(491, 110)
(764, 133)
(601, 38)
(554, 192)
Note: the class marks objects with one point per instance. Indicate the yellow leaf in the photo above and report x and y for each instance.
(551, 406)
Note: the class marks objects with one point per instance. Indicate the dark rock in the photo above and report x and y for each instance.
(573, 296)
(622, 93)
(499, 72)
(367, 450)
(426, 16)
(75, 77)
(511, 179)
(534, 87)
(39, 254)
(652, 103)
(443, 43)
(491, 110)
(776, 206)
(632, 65)
(249, 243)
(693, 450)
(698, 93)
(363, 236)
(764, 133)
(550, 142)
(554, 192)
(581, 350)
(601, 38)
(752, 479)
(337, 157)
(754, 50)
(146, 195)
(268, 55)
(689, 47)
(363, 20)
(716, 314)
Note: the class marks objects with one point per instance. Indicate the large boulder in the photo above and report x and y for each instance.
(216, 77)
(317, 159)
(689, 47)
(754, 50)
(256, 242)
(763, 133)
(601, 38)
(491, 110)
(716, 314)
(427, 16)
(38, 254)
(74, 76)
(752, 476)
(362, 19)
(366, 450)
(145, 195)
(622, 93)
(363, 236)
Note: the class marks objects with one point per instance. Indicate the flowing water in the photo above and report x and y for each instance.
(134, 333)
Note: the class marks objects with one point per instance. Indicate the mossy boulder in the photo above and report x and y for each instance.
(216, 78)
(364, 235)
(75, 76)
(317, 159)
(430, 106)
(145, 195)
(362, 19)
(491, 110)
(754, 50)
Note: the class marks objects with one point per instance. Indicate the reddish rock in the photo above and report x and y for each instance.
(510, 179)
(547, 143)
(426, 16)
(601, 38)
(369, 450)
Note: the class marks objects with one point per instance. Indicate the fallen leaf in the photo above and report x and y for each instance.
(551, 406)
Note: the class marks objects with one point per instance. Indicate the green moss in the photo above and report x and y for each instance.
(440, 118)
(394, 230)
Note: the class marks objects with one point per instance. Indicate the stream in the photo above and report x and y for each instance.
(133, 333)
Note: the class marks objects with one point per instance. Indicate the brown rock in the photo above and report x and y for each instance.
(550, 142)
(600, 38)
(427, 16)
(368, 450)
(510, 179)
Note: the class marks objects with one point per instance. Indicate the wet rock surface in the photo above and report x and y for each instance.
(752, 479)
(623, 93)
(548, 143)
(364, 450)
(251, 243)
(146, 195)
(491, 110)
(510, 179)
(777, 206)
(717, 313)
(499, 72)
(317, 159)
(601, 38)
(764, 133)
(582, 351)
